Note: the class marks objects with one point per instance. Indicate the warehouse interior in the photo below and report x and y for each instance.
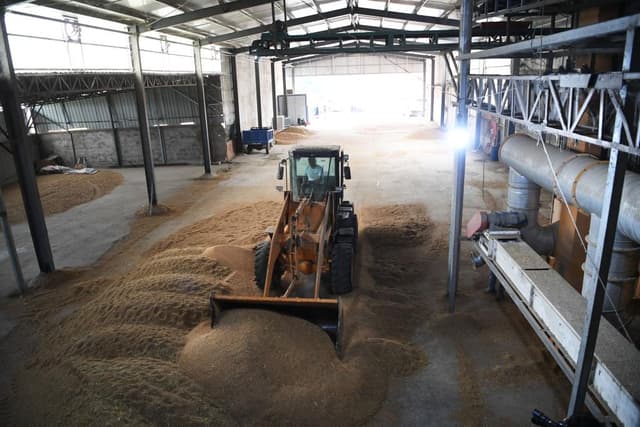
(320, 212)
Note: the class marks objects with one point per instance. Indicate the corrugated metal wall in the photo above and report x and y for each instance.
(167, 105)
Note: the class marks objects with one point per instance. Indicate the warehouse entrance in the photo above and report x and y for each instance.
(341, 91)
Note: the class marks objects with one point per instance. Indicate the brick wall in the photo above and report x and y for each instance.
(7, 168)
(169, 145)
(182, 144)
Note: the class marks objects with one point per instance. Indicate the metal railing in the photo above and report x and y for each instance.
(583, 107)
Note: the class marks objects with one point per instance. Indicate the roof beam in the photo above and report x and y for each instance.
(114, 13)
(406, 16)
(332, 14)
(560, 39)
(207, 12)
(375, 33)
(365, 49)
(262, 28)
(177, 4)
(314, 58)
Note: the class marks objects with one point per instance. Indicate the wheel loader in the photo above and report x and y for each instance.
(307, 259)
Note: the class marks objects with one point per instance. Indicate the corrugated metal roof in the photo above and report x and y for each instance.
(136, 12)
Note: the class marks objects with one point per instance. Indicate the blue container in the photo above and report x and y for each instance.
(495, 153)
(257, 138)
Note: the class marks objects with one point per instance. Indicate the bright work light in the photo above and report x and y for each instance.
(459, 137)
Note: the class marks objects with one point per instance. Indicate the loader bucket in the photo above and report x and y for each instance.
(323, 312)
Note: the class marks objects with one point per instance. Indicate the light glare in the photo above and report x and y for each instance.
(459, 138)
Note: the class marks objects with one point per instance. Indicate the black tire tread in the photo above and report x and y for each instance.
(261, 262)
(342, 268)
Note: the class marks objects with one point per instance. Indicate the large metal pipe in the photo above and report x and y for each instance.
(523, 196)
(582, 179)
(623, 273)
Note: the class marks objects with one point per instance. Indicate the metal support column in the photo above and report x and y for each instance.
(460, 154)
(293, 79)
(477, 139)
(443, 96)
(604, 246)
(424, 88)
(274, 97)
(17, 135)
(284, 90)
(450, 71)
(236, 104)
(67, 126)
(11, 246)
(433, 83)
(202, 109)
(116, 135)
(143, 117)
(258, 92)
(515, 71)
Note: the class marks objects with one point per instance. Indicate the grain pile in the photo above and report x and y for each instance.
(243, 225)
(137, 349)
(386, 310)
(292, 135)
(279, 370)
(113, 359)
(61, 192)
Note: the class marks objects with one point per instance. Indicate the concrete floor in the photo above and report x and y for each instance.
(391, 164)
(85, 232)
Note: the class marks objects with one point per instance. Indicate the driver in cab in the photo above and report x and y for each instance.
(313, 174)
(313, 171)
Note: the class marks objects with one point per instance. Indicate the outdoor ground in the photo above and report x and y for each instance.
(122, 337)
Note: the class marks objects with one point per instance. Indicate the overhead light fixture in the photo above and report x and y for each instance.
(187, 123)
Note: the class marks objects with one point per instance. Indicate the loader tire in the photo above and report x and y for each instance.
(261, 263)
(342, 259)
(349, 223)
(347, 218)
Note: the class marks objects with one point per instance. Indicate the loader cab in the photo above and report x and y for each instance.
(316, 171)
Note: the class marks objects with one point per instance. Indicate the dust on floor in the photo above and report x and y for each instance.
(61, 192)
(137, 349)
